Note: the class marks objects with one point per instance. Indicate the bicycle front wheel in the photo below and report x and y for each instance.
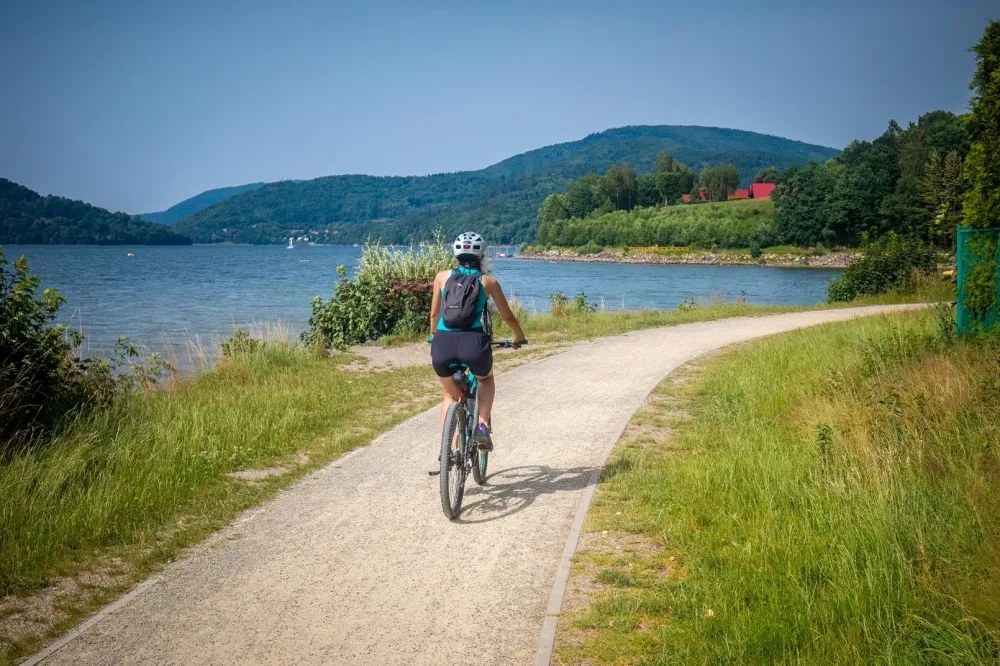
(452, 477)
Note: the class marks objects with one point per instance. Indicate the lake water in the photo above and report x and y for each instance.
(203, 291)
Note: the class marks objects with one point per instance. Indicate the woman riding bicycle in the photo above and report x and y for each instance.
(468, 342)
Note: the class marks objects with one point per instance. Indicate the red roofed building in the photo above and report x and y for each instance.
(761, 190)
(702, 194)
(740, 194)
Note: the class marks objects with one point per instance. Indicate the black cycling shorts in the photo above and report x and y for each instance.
(450, 348)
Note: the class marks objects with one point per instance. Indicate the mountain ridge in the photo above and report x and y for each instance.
(501, 199)
(192, 205)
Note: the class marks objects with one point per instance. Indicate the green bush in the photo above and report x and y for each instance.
(562, 305)
(240, 343)
(892, 262)
(590, 248)
(42, 379)
(390, 295)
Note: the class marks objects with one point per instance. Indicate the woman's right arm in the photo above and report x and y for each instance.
(436, 301)
(496, 293)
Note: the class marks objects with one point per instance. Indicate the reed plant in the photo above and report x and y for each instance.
(390, 295)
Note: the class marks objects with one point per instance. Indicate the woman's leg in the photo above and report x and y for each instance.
(487, 390)
(451, 394)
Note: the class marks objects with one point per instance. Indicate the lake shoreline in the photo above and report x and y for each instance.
(779, 260)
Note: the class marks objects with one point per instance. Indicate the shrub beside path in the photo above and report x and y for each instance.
(357, 563)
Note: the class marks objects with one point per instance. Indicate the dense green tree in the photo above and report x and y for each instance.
(553, 208)
(620, 186)
(719, 181)
(665, 163)
(672, 179)
(877, 186)
(767, 175)
(804, 213)
(585, 195)
(981, 204)
(941, 190)
(647, 192)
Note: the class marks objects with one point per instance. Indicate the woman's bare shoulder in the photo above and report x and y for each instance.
(490, 281)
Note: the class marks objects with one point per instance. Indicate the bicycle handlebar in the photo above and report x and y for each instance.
(503, 344)
(507, 344)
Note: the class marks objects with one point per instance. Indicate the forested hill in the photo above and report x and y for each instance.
(190, 206)
(28, 217)
(501, 201)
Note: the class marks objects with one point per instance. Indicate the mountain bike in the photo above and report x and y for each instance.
(459, 452)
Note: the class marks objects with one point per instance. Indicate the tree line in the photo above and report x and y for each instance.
(620, 188)
(29, 218)
(907, 181)
(920, 180)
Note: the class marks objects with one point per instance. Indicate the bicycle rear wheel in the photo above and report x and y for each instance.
(452, 478)
(480, 460)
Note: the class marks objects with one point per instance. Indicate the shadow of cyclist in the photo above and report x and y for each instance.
(511, 490)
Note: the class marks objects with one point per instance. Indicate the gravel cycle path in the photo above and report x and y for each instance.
(356, 564)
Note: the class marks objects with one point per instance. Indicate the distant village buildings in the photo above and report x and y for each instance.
(755, 191)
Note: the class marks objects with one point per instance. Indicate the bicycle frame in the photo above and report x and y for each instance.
(455, 464)
(469, 386)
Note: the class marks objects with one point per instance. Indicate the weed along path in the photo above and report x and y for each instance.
(357, 564)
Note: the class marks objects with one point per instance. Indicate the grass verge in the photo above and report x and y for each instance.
(819, 497)
(119, 493)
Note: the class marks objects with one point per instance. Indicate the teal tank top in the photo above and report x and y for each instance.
(480, 305)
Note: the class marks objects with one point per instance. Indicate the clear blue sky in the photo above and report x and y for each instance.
(135, 106)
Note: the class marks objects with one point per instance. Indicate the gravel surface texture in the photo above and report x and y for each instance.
(357, 564)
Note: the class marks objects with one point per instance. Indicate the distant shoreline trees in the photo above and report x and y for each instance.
(621, 189)
(26, 217)
(907, 181)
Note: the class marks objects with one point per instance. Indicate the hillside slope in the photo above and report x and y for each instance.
(191, 206)
(501, 200)
(28, 217)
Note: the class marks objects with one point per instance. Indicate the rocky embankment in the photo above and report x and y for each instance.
(827, 260)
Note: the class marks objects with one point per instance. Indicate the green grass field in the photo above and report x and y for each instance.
(823, 497)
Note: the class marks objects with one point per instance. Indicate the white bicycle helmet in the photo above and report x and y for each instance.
(470, 243)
